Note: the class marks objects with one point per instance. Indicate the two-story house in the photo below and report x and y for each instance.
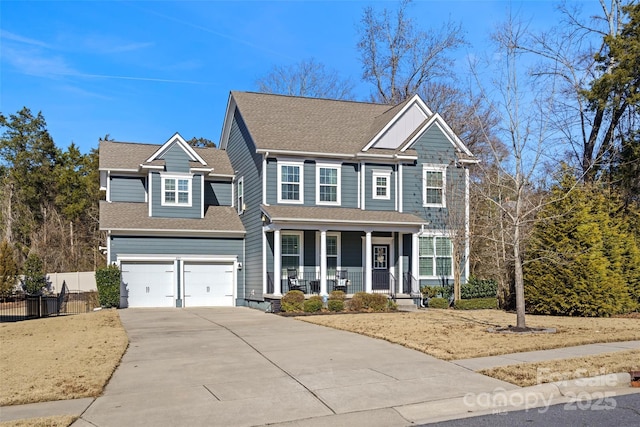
(171, 225)
(345, 195)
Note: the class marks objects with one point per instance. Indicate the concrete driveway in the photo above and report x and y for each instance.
(243, 367)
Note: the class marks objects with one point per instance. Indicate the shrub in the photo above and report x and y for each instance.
(313, 304)
(108, 283)
(35, 279)
(335, 304)
(438, 303)
(476, 303)
(363, 301)
(337, 295)
(479, 288)
(292, 301)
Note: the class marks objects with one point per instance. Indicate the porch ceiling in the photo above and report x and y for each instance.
(340, 216)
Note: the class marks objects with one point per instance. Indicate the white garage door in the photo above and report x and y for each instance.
(208, 285)
(149, 284)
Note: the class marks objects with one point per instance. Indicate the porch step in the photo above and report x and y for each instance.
(406, 304)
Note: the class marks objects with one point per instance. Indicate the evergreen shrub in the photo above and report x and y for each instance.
(108, 283)
(476, 303)
(438, 303)
(292, 301)
(313, 304)
(478, 288)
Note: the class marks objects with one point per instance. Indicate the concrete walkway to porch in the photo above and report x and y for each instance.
(243, 367)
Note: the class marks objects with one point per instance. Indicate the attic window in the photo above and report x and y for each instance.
(176, 191)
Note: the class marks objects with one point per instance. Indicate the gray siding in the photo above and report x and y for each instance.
(433, 148)
(176, 160)
(127, 189)
(158, 210)
(372, 204)
(129, 245)
(248, 164)
(349, 185)
(218, 193)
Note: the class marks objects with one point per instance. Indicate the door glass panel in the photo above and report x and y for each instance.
(380, 257)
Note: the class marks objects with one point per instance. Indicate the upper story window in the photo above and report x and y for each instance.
(434, 179)
(435, 257)
(290, 182)
(327, 184)
(381, 185)
(176, 190)
(240, 195)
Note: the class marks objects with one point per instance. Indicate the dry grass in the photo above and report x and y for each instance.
(528, 374)
(58, 421)
(451, 334)
(66, 357)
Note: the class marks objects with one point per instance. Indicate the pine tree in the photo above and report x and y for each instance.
(577, 258)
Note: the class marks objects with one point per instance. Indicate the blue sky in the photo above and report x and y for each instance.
(141, 71)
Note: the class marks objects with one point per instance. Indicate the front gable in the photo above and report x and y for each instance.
(176, 150)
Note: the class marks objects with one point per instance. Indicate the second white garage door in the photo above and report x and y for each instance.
(208, 285)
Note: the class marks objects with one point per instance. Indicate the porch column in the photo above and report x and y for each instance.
(400, 237)
(367, 263)
(415, 263)
(323, 262)
(277, 263)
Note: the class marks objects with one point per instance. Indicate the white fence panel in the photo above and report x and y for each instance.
(82, 281)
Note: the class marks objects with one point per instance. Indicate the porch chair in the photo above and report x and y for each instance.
(295, 284)
(342, 280)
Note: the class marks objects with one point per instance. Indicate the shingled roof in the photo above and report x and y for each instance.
(126, 216)
(340, 216)
(130, 155)
(290, 123)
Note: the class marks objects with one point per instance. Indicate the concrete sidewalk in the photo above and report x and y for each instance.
(242, 367)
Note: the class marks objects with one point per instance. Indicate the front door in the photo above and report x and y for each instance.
(380, 264)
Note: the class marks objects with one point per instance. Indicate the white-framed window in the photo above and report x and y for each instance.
(381, 187)
(291, 251)
(240, 195)
(333, 252)
(327, 184)
(290, 182)
(436, 259)
(434, 179)
(176, 190)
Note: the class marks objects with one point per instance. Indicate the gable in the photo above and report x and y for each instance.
(176, 142)
(401, 127)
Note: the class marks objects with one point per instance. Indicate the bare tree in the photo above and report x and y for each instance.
(306, 78)
(525, 129)
(398, 58)
(575, 55)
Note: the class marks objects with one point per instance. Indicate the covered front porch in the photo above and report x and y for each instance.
(319, 250)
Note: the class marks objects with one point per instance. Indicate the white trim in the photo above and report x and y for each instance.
(467, 232)
(176, 138)
(201, 196)
(240, 206)
(300, 235)
(172, 232)
(377, 173)
(363, 186)
(150, 203)
(415, 101)
(338, 168)
(177, 177)
(435, 235)
(338, 236)
(400, 189)
(428, 167)
(298, 164)
(108, 195)
(264, 178)
(228, 120)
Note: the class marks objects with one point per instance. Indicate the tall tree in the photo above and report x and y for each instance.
(28, 156)
(8, 269)
(510, 180)
(596, 64)
(307, 78)
(398, 58)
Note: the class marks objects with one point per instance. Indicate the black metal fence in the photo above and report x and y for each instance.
(20, 306)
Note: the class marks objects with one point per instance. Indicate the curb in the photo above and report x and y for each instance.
(526, 398)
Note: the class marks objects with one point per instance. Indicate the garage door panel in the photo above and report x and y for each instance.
(149, 284)
(208, 285)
